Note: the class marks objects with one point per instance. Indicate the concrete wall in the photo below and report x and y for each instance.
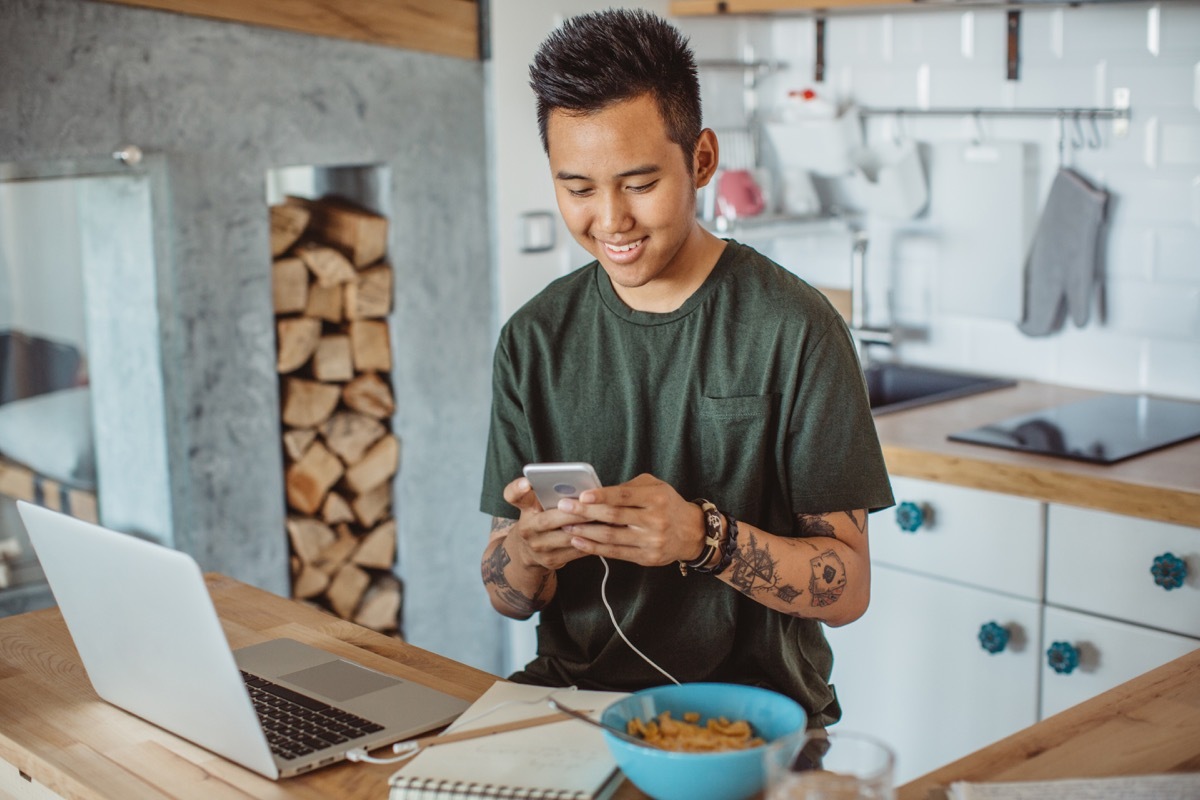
(220, 105)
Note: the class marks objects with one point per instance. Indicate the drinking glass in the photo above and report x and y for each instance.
(834, 765)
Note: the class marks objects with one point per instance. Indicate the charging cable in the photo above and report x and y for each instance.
(406, 750)
(621, 633)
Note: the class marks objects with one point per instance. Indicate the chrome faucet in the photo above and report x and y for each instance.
(863, 334)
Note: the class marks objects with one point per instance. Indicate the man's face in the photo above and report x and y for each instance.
(626, 194)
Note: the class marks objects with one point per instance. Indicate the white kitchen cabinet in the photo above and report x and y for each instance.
(1104, 605)
(1110, 653)
(912, 670)
(1101, 563)
(948, 560)
(985, 539)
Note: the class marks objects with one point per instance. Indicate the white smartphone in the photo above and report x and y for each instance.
(552, 482)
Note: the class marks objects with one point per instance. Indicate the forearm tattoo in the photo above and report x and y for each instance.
(493, 575)
(754, 568)
(754, 572)
(828, 579)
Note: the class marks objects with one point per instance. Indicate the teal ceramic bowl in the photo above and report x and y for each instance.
(730, 775)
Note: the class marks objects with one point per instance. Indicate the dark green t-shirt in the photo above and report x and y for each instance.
(749, 395)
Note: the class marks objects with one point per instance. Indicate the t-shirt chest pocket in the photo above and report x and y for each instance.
(737, 447)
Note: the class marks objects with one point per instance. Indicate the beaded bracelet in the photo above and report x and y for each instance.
(712, 538)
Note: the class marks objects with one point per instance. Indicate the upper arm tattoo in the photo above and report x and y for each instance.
(814, 525)
(809, 525)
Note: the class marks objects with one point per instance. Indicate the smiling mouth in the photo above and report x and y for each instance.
(623, 248)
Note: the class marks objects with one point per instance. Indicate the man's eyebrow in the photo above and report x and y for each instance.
(645, 169)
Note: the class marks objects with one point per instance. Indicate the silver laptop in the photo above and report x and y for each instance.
(150, 640)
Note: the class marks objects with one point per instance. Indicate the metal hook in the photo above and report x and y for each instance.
(978, 128)
(1077, 140)
(898, 132)
(1094, 140)
(1062, 138)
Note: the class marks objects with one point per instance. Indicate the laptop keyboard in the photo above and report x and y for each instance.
(297, 725)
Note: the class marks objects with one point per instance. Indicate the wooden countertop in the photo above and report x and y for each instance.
(1146, 726)
(56, 730)
(1163, 485)
(58, 733)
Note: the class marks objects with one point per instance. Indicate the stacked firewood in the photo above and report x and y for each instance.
(332, 292)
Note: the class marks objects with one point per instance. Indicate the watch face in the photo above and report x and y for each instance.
(1100, 430)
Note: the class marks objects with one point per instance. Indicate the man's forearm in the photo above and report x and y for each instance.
(514, 591)
(823, 573)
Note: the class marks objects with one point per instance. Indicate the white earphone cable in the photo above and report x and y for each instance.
(621, 633)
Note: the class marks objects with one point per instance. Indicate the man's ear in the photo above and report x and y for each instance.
(705, 157)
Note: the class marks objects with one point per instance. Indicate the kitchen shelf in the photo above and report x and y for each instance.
(777, 225)
(685, 8)
(444, 27)
(703, 8)
(1074, 113)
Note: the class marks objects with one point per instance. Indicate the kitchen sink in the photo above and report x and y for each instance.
(896, 387)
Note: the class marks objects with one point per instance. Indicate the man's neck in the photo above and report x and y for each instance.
(662, 295)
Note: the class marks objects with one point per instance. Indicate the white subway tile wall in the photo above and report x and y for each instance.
(1144, 330)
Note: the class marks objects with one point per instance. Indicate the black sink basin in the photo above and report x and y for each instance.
(895, 387)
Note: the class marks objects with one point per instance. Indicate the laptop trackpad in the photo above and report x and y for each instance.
(339, 680)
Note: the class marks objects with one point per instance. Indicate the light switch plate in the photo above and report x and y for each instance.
(537, 231)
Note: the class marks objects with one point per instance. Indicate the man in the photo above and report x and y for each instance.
(691, 372)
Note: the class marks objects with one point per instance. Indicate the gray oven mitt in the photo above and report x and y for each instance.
(1063, 269)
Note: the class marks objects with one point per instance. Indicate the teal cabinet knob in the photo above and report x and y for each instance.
(993, 637)
(910, 516)
(1063, 657)
(1169, 571)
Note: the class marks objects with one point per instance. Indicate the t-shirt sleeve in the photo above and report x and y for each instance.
(833, 450)
(508, 434)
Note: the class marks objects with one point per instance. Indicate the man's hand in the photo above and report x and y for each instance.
(521, 557)
(643, 520)
(538, 538)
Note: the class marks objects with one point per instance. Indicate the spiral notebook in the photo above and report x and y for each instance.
(565, 760)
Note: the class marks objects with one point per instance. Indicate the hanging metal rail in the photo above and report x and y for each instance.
(1061, 113)
(1119, 114)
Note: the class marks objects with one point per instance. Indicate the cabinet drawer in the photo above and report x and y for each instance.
(1100, 563)
(912, 670)
(1110, 653)
(985, 539)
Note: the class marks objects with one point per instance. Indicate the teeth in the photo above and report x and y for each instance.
(623, 248)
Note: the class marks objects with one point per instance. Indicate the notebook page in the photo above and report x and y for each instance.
(567, 757)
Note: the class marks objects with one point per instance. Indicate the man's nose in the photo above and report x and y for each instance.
(613, 215)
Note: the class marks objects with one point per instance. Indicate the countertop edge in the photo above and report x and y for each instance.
(1163, 486)
(1048, 485)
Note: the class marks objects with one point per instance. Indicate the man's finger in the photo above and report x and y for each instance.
(597, 511)
(520, 494)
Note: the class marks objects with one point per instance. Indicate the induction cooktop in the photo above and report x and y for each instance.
(1101, 430)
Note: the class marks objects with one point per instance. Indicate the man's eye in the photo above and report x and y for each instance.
(645, 187)
(579, 192)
